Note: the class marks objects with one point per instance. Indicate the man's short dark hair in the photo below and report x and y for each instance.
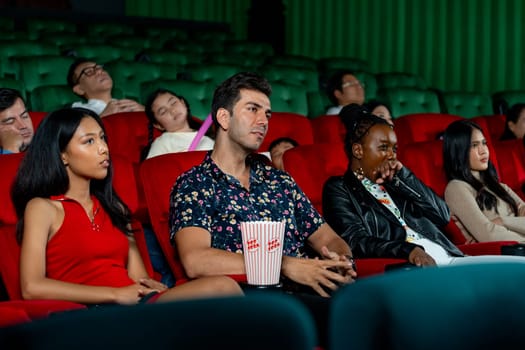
(335, 83)
(280, 140)
(71, 79)
(8, 98)
(228, 92)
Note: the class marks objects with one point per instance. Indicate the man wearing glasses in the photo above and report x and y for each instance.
(90, 81)
(343, 89)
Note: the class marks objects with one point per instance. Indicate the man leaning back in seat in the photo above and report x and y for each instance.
(92, 82)
(16, 126)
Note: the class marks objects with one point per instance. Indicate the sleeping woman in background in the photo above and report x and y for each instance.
(170, 113)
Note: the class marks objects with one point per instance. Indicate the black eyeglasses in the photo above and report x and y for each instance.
(89, 71)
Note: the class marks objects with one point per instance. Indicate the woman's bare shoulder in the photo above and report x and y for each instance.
(43, 207)
(39, 203)
(43, 215)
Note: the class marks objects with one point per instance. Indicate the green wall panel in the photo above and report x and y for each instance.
(468, 45)
(232, 12)
(471, 45)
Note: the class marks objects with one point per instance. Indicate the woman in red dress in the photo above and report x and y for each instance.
(75, 235)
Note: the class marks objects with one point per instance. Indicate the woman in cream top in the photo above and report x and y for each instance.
(170, 113)
(483, 208)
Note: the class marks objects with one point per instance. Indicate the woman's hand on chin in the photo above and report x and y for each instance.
(386, 171)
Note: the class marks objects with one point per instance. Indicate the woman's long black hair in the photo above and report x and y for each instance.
(456, 158)
(193, 124)
(43, 174)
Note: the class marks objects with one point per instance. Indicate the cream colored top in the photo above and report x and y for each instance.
(174, 142)
(475, 223)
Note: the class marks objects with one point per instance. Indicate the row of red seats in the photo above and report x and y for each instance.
(418, 137)
(310, 164)
(158, 175)
(128, 132)
(320, 155)
(127, 135)
(411, 130)
(418, 144)
(419, 147)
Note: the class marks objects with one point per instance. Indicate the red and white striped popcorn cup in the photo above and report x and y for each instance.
(263, 251)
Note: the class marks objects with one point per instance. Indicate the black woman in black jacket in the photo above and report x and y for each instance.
(379, 206)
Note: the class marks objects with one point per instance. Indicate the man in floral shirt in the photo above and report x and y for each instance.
(233, 185)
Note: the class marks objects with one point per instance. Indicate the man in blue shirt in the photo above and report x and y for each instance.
(16, 126)
(233, 185)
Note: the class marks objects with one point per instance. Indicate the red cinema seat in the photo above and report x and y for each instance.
(125, 184)
(10, 250)
(127, 135)
(328, 129)
(9, 164)
(425, 159)
(421, 127)
(511, 164)
(429, 170)
(158, 175)
(312, 165)
(36, 118)
(292, 125)
(11, 315)
(494, 124)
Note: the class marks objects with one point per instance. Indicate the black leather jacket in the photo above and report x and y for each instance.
(371, 229)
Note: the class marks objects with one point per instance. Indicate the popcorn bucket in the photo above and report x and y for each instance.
(263, 251)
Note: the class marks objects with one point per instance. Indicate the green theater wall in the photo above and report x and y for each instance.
(467, 45)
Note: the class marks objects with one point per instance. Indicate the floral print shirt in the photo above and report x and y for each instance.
(208, 198)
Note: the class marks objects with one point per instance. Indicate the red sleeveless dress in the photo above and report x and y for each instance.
(84, 252)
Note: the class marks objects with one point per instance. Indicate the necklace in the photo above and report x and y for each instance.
(94, 225)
